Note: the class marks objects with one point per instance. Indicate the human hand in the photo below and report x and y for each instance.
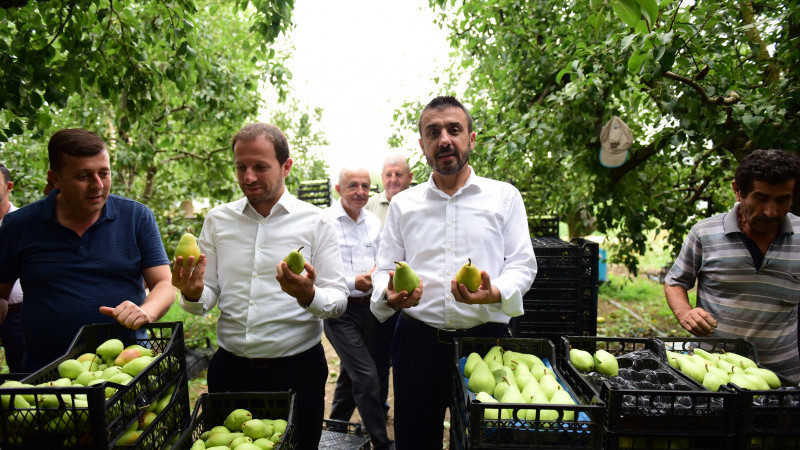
(128, 314)
(402, 299)
(299, 286)
(364, 282)
(485, 294)
(697, 321)
(189, 279)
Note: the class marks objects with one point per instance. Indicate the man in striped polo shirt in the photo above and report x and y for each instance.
(747, 265)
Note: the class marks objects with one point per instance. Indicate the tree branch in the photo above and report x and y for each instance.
(639, 157)
(184, 154)
(727, 100)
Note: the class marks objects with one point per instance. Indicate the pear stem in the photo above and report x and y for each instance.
(301, 247)
(469, 261)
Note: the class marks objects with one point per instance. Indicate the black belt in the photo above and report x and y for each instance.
(361, 301)
(447, 336)
(14, 307)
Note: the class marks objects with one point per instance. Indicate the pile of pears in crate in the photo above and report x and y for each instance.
(240, 431)
(505, 376)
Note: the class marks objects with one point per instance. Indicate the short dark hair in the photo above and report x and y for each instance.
(772, 166)
(6, 173)
(442, 102)
(271, 133)
(73, 142)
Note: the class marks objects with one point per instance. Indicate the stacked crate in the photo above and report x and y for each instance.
(100, 424)
(563, 298)
(316, 192)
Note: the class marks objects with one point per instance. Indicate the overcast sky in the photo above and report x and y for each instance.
(359, 60)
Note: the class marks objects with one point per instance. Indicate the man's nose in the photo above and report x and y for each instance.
(771, 210)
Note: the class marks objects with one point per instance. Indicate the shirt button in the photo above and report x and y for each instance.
(254, 275)
(451, 201)
(449, 224)
(252, 303)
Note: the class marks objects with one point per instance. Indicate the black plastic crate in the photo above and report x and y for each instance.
(316, 192)
(686, 410)
(211, 409)
(584, 432)
(767, 418)
(341, 435)
(647, 441)
(563, 292)
(104, 420)
(169, 422)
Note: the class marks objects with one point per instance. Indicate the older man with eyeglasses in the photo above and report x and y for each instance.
(359, 236)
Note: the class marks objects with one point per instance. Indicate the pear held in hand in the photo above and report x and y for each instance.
(187, 247)
(405, 279)
(295, 261)
(469, 276)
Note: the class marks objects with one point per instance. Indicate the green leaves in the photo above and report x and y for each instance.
(631, 12)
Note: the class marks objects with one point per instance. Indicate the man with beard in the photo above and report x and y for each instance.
(436, 227)
(351, 334)
(745, 264)
(269, 329)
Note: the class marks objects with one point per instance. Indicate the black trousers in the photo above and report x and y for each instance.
(304, 373)
(424, 367)
(358, 384)
(381, 354)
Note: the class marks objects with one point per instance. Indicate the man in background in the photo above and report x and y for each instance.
(11, 329)
(396, 176)
(745, 264)
(359, 236)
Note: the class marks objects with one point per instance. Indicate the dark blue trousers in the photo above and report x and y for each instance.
(381, 354)
(304, 373)
(424, 368)
(13, 340)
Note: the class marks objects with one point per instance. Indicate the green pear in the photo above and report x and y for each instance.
(532, 388)
(512, 395)
(482, 380)
(523, 376)
(743, 381)
(581, 359)
(488, 414)
(739, 360)
(220, 439)
(84, 378)
(713, 380)
(605, 363)
(256, 429)
(70, 368)
(539, 371)
(547, 414)
(693, 369)
(264, 444)
(472, 359)
(110, 372)
(767, 375)
(532, 361)
(129, 354)
(672, 358)
(245, 446)
(187, 247)
(216, 429)
(469, 276)
(405, 279)
(270, 428)
(758, 383)
(241, 440)
(198, 445)
(504, 373)
(509, 359)
(236, 419)
(276, 437)
(136, 365)
(109, 349)
(295, 260)
(129, 438)
(279, 426)
(549, 385)
(562, 397)
(713, 357)
(500, 387)
(146, 419)
(719, 372)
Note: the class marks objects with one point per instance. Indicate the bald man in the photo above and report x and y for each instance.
(359, 236)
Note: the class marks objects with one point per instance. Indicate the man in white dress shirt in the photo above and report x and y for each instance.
(359, 236)
(396, 176)
(11, 334)
(436, 227)
(269, 329)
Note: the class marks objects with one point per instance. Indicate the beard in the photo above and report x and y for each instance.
(451, 169)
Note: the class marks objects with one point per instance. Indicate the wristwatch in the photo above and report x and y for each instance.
(386, 302)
